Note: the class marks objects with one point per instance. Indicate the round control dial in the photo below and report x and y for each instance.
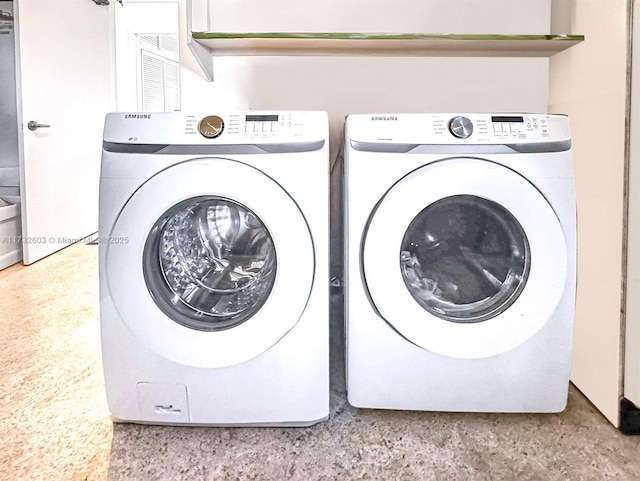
(211, 126)
(461, 127)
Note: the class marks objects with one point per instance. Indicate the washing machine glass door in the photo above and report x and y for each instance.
(210, 263)
(216, 263)
(465, 257)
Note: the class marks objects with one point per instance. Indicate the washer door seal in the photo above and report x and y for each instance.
(524, 314)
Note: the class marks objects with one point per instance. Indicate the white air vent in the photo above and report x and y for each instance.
(152, 83)
(158, 73)
(171, 86)
(148, 39)
(168, 43)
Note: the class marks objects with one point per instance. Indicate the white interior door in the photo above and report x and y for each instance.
(63, 56)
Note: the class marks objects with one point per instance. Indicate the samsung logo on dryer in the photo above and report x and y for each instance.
(137, 116)
(384, 117)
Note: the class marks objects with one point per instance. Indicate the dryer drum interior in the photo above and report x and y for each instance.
(465, 258)
(209, 263)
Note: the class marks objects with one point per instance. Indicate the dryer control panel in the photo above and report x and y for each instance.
(463, 129)
(501, 127)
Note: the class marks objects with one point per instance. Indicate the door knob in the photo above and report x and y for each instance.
(33, 125)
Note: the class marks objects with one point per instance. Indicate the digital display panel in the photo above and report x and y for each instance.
(505, 118)
(261, 118)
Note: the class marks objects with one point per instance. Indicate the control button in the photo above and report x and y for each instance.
(211, 126)
(460, 127)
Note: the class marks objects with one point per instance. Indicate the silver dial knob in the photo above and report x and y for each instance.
(460, 127)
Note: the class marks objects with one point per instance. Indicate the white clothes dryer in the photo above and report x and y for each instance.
(460, 261)
(214, 267)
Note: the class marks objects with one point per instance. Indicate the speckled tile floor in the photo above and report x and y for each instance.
(56, 425)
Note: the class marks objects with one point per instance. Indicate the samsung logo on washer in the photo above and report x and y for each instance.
(384, 117)
(137, 116)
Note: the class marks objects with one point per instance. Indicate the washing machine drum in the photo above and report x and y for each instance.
(210, 263)
(216, 263)
(465, 258)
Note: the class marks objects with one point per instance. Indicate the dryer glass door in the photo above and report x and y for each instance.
(465, 258)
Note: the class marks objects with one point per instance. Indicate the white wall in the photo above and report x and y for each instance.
(400, 16)
(588, 82)
(342, 85)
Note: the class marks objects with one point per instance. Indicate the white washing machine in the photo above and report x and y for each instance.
(214, 267)
(460, 261)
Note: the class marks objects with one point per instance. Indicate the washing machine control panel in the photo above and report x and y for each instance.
(248, 126)
(261, 124)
